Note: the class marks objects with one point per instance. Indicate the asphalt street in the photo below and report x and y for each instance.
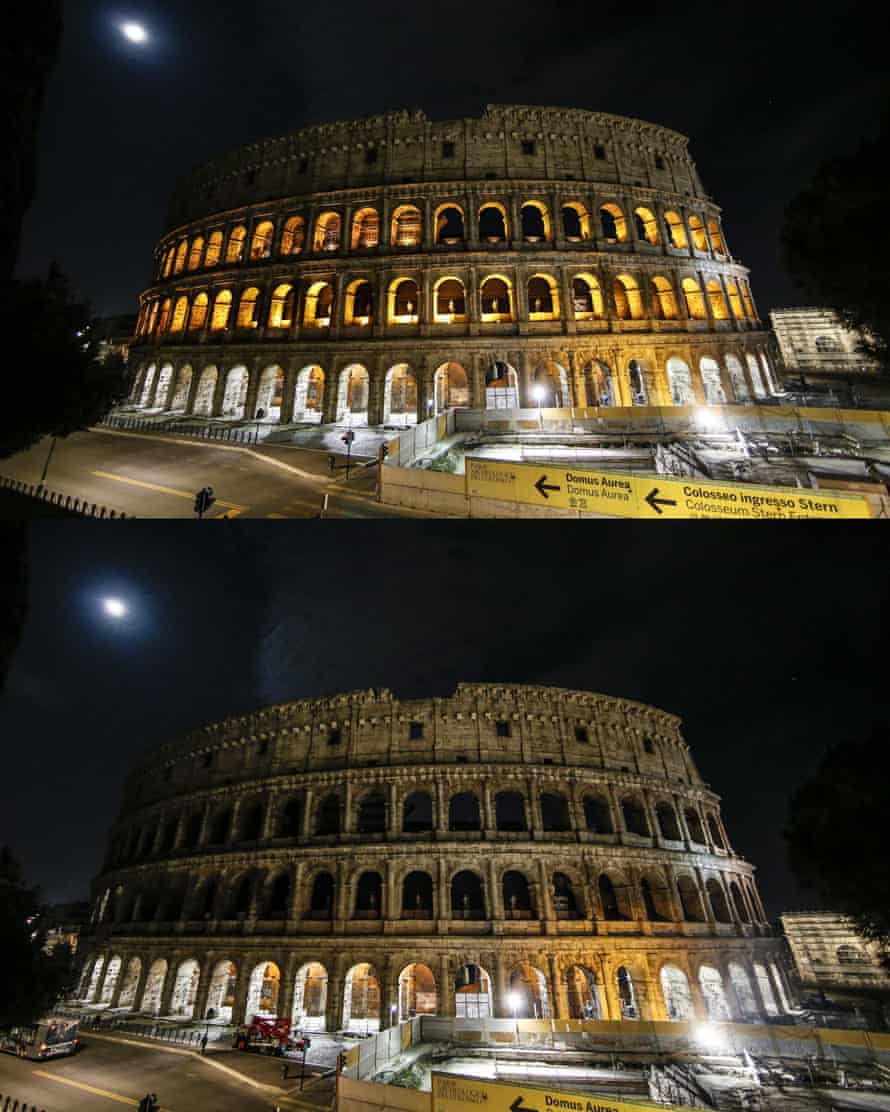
(158, 476)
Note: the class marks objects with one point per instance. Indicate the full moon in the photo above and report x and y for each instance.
(114, 607)
(135, 32)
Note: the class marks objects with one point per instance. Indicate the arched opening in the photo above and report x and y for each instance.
(214, 249)
(237, 239)
(668, 826)
(365, 229)
(452, 387)
(697, 233)
(496, 300)
(290, 819)
(587, 297)
(95, 976)
(716, 238)
(717, 900)
(235, 395)
(404, 302)
(407, 226)
(449, 301)
(352, 396)
(613, 899)
(716, 1004)
(361, 1000)
(575, 222)
(712, 383)
(164, 381)
(492, 223)
(293, 235)
(741, 908)
(680, 382)
(766, 990)
(501, 387)
(737, 378)
(261, 246)
(219, 827)
(543, 298)
(654, 897)
(551, 386)
(147, 385)
(112, 973)
(627, 995)
(627, 297)
(528, 997)
(154, 987)
(262, 991)
(676, 993)
(613, 224)
(241, 897)
(555, 812)
(754, 375)
(359, 305)
(597, 815)
(281, 306)
(321, 898)
(368, 896)
(221, 995)
(247, 309)
(127, 998)
(185, 989)
(664, 304)
(741, 982)
(509, 811)
(198, 315)
(695, 300)
(535, 221)
(278, 897)
(694, 826)
(635, 821)
(164, 319)
(417, 813)
(310, 997)
(690, 900)
(328, 816)
(309, 396)
(717, 300)
(204, 900)
(676, 231)
(417, 895)
(636, 380)
(179, 403)
(449, 221)
(327, 232)
(849, 955)
(565, 904)
(463, 812)
(252, 822)
(735, 299)
(646, 225)
(598, 384)
(372, 814)
(319, 305)
(582, 993)
(222, 309)
(270, 394)
(181, 254)
(517, 896)
(417, 991)
(715, 832)
(472, 993)
(400, 396)
(467, 899)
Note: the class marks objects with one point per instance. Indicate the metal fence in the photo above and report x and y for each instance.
(222, 433)
(9, 1104)
(81, 506)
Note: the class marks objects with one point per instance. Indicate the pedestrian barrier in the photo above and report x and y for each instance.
(174, 428)
(8, 1104)
(81, 507)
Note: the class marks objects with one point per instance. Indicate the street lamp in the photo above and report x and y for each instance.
(392, 1014)
(513, 1001)
(539, 393)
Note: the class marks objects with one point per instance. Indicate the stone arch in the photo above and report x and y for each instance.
(613, 223)
(181, 254)
(318, 306)
(735, 299)
(662, 299)
(219, 829)
(690, 899)
(697, 233)
(147, 385)
(599, 385)
(738, 901)
(365, 229)
(321, 896)
(528, 995)
(281, 306)
(248, 303)
(555, 811)
(180, 401)
(222, 311)
(448, 222)
(551, 386)
(270, 394)
(109, 983)
(472, 992)
(352, 395)
(744, 992)
(737, 378)
(165, 380)
(714, 235)
(327, 232)
(451, 387)
(417, 812)
(597, 814)
(262, 991)
(695, 300)
(634, 814)
(403, 302)
(627, 297)
(496, 299)
(221, 994)
(517, 895)
(369, 895)
(636, 381)
(310, 997)
(493, 224)
(327, 815)
(251, 823)
(464, 812)
(361, 999)
(371, 812)
(534, 220)
(676, 230)
(263, 236)
(214, 248)
(467, 895)
(754, 375)
(715, 832)
(694, 825)
(655, 896)
(614, 896)
(766, 989)
(154, 987)
(566, 897)
(290, 818)
(582, 993)
(676, 993)
(680, 382)
(645, 225)
(358, 308)
(277, 896)
(164, 315)
(185, 989)
(235, 393)
(400, 396)
(587, 297)
(309, 395)
(575, 221)
(509, 811)
(127, 996)
(449, 300)
(627, 994)
(417, 895)
(716, 299)
(407, 226)
(501, 387)
(668, 825)
(716, 1003)
(293, 235)
(198, 315)
(709, 369)
(417, 991)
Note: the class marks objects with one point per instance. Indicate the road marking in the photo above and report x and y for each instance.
(90, 1089)
(164, 489)
(276, 517)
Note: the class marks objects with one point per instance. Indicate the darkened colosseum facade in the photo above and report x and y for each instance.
(358, 858)
(381, 270)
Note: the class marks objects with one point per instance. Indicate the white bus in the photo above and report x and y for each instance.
(47, 1038)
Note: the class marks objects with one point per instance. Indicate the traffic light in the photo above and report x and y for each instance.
(204, 499)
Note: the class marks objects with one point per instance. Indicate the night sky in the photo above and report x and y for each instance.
(770, 643)
(764, 90)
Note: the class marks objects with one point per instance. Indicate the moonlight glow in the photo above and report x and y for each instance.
(114, 607)
(135, 32)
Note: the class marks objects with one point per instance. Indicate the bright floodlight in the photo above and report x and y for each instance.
(710, 1037)
(513, 1000)
(135, 32)
(114, 607)
(539, 393)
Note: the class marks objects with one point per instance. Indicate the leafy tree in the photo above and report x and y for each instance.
(31, 980)
(837, 832)
(61, 386)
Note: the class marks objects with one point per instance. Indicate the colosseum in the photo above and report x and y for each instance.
(378, 271)
(354, 860)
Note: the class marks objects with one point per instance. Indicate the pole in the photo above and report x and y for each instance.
(52, 448)
(303, 1066)
(348, 453)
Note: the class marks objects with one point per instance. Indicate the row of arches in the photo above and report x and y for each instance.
(625, 296)
(736, 990)
(530, 221)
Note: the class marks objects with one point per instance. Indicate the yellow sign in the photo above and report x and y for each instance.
(452, 1093)
(652, 496)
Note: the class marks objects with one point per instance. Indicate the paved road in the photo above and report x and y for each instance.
(156, 476)
(106, 1075)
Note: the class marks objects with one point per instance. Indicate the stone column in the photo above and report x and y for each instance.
(268, 826)
(444, 894)
(169, 985)
(306, 817)
(557, 1004)
(501, 1008)
(496, 896)
(333, 1011)
(140, 984)
(288, 978)
(568, 302)
(392, 824)
(489, 824)
(349, 817)
(545, 906)
(535, 822)
(446, 987)
(207, 966)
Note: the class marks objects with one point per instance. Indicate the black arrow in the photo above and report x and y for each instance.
(655, 502)
(518, 1106)
(542, 486)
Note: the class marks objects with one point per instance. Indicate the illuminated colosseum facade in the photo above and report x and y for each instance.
(380, 270)
(355, 859)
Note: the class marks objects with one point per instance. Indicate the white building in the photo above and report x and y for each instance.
(816, 341)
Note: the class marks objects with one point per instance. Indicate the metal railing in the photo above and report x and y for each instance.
(221, 433)
(81, 506)
(9, 1104)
